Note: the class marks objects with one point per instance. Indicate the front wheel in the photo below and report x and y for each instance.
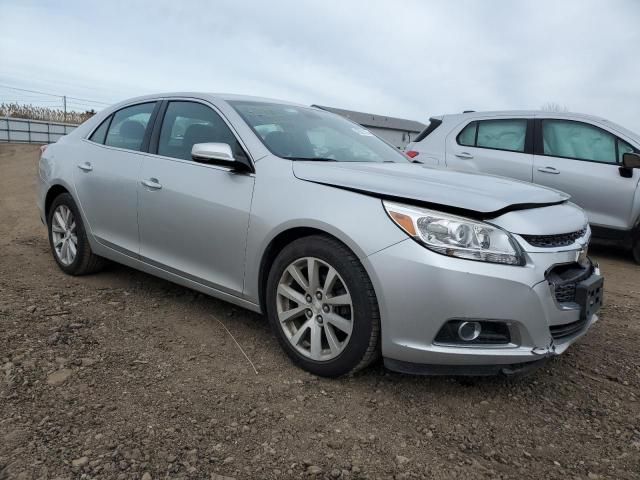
(322, 307)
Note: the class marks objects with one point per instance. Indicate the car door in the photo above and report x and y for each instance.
(106, 180)
(194, 216)
(584, 160)
(498, 146)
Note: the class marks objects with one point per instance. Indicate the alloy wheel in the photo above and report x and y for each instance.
(315, 309)
(63, 232)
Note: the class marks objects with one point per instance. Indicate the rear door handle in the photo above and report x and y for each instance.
(465, 155)
(86, 167)
(551, 170)
(152, 183)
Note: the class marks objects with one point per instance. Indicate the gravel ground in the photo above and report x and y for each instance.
(122, 375)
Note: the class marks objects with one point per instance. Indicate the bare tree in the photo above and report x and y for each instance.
(554, 107)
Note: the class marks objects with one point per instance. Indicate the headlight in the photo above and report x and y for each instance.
(455, 236)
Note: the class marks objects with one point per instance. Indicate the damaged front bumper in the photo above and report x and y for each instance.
(421, 291)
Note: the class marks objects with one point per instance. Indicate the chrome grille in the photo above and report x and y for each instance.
(559, 240)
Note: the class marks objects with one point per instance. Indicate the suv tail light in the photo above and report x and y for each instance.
(412, 153)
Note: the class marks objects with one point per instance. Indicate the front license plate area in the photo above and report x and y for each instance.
(589, 295)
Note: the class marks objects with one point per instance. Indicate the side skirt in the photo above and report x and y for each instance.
(133, 260)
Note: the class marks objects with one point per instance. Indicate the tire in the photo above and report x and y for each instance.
(84, 261)
(336, 352)
(636, 251)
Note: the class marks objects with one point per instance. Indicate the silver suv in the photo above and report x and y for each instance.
(590, 158)
(350, 249)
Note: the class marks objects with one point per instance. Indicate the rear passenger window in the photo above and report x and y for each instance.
(508, 134)
(467, 136)
(502, 134)
(128, 126)
(188, 123)
(100, 133)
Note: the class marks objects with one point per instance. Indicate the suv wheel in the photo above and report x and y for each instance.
(322, 307)
(636, 251)
(68, 239)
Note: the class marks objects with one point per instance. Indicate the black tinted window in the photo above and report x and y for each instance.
(188, 123)
(100, 133)
(128, 126)
(433, 124)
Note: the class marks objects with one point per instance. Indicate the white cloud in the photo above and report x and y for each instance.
(405, 58)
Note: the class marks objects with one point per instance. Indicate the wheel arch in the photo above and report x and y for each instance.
(277, 244)
(53, 192)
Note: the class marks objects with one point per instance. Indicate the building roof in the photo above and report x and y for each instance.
(379, 121)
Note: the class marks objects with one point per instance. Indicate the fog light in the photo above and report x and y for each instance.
(469, 331)
(473, 333)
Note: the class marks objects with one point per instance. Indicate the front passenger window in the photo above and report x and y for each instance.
(623, 147)
(128, 127)
(578, 140)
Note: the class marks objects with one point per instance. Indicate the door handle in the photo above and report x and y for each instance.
(85, 167)
(152, 183)
(465, 155)
(551, 170)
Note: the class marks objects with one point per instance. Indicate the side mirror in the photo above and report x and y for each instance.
(631, 160)
(217, 154)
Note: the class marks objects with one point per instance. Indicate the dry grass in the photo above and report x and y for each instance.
(33, 112)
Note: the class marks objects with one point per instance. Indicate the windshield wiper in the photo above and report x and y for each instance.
(312, 159)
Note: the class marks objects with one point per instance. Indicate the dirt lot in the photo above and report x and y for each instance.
(122, 375)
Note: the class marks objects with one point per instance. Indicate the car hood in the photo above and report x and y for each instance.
(472, 194)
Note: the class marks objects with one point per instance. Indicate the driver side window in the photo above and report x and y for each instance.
(187, 123)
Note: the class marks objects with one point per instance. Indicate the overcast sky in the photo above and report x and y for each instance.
(409, 59)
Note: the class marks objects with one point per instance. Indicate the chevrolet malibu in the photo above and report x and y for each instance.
(350, 248)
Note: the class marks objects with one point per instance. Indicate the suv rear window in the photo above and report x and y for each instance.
(433, 124)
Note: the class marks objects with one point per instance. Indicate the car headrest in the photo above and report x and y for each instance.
(198, 133)
(131, 130)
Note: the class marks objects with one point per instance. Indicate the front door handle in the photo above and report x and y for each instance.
(464, 155)
(85, 167)
(551, 170)
(152, 183)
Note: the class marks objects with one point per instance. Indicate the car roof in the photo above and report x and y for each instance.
(214, 96)
(541, 113)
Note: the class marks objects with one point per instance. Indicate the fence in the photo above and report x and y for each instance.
(21, 130)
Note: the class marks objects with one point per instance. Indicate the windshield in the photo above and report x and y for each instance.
(301, 133)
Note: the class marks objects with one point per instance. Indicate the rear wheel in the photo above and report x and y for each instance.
(68, 239)
(322, 307)
(636, 251)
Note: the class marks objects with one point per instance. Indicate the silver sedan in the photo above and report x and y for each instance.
(350, 248)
